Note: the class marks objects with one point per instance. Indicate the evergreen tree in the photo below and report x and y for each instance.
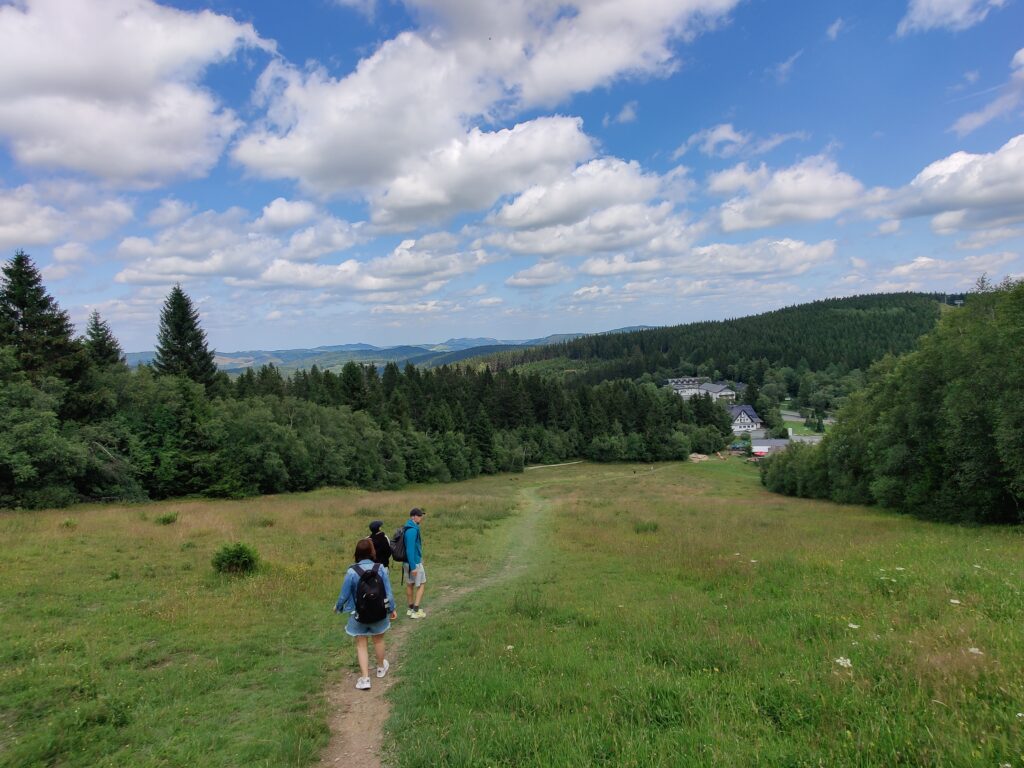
(34, 325)
(181, 344)
(100, 344)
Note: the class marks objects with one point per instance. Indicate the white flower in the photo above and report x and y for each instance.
(1020, 715)
(509, 647)
(900, 569)
(977, 566)
(753, 561)
(975, 651)
(955, 602)
(842, 661)
(853, 626)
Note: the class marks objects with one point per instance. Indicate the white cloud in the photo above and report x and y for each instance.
(286, 214)
(782, 71)
(627, 114)
(956, 15)
(616, 228)
(724, 140)
(29, 214)
(1011, 97)
(593, 186)
(26, 221)
(811, 190)
(170, 211)
(129, 109)
(927, 272)
(432, 307)
(541, 274)
(835, 28)
(967, 191)
(473, 172)
(986, 237)
(418, 95)
(620, 264)
(890, 227)
(591, 292)
(761, 257)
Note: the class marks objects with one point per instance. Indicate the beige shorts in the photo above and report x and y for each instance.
(421, 574)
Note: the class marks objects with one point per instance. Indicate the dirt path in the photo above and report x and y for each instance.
(357, 717)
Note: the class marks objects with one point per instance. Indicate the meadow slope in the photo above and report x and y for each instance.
(667, 616)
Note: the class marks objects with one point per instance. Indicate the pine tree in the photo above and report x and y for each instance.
(180, 343)
(33, 324)
(100, 344)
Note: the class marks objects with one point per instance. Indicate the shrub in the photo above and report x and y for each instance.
(645, 526)
(235, 558)
(167, 518)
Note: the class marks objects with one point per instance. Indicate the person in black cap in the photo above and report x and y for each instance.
(381, 543)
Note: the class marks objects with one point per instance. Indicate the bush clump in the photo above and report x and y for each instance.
(167, 518)
(235, 559)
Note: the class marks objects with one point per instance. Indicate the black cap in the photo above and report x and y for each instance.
(416, 512)
(375, 525)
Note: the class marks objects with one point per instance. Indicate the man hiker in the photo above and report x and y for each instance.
(381, 543)
(415, 573)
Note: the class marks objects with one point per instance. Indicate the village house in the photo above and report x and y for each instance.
(744, 419)
(689, 386)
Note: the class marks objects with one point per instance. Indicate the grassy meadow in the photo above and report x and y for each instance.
(669, 616)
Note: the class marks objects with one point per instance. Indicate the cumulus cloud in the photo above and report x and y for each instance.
(399, 126)
(1009, 99)
(79, 211)
(170, 211)
(926, 272)
(616, 228)
(725, 141)
(967, 191)
(811, 190)
(128, 110)
(626, 115)
(541, 274)
(591, 187)
(761, 257)
(286, 214)
(955, 15)
(472, 172)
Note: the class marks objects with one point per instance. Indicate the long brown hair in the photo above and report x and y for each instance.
(365, 550)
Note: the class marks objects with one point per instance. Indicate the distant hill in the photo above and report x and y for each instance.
(849, 333)
(333, 357)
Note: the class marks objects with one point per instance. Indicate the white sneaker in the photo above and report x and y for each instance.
(381, 671)
(363, 684)
(419, 613)
(409, 612)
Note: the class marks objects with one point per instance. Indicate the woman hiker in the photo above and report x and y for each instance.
(367, 591)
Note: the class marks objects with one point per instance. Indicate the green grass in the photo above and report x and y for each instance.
(715, 641)
(121, 646)
(676, 617)
(799, 428)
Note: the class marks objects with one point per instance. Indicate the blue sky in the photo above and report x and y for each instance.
(389, 171)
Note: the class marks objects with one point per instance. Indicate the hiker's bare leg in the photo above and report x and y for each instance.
(419, 594)
(363, 652)
(378, 648)
(408, 592)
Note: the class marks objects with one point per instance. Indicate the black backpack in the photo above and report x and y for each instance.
(371, 596)
(398, 546)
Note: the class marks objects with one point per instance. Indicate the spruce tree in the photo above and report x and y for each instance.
(180, 343)
(32, 323)
(100, 344)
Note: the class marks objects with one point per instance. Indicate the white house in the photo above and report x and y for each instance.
(689, 386)
(744, 419)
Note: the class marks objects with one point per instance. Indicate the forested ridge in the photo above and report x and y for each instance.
(848, 333)
(937, 432)
(76, 423)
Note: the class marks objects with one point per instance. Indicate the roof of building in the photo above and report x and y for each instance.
(715, 389)
(736, 410)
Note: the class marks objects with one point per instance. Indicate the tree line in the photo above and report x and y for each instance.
(76, 423)
(937, 432)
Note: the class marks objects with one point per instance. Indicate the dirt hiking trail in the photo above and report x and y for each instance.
(356, 718)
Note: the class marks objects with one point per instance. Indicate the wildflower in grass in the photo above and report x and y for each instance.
(1020, 715)
(900, 569)
(853, 626)
(954, 601)
(844, 662)
(509, 647)
(975, 651)
(753, 561)
(977, 566)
